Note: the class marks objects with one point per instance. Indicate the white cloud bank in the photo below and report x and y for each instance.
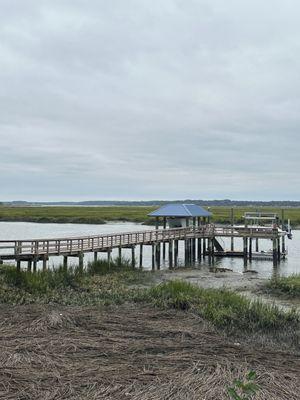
(145, 99)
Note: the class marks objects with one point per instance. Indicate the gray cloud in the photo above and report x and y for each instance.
(149, 99)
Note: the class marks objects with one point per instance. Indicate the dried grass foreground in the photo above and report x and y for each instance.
(130, 352)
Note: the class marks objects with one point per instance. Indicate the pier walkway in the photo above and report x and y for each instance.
(35, 250)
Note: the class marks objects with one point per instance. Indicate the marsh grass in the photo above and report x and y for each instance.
(42, 281)
(118, 283)
(101, 214)
(285, 285)
(78, 215)
(102, 267)
(224, 308)
(99, 283)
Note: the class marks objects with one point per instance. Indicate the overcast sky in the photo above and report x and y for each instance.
(149, 99)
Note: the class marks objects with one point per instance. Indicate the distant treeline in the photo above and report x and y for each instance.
(207, 203)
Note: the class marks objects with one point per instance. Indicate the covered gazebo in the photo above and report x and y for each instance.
(180, 215)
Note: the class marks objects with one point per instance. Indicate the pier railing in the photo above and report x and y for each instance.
(15, 249)
(39, 248)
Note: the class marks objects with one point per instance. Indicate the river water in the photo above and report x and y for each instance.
(28, 230)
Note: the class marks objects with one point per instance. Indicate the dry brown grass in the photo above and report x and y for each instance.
(130, 352)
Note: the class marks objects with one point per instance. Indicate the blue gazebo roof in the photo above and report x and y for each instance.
(180, 210)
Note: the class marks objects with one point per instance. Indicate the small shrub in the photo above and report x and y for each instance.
(244, 390)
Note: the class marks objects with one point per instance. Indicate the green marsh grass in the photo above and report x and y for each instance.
(99, 283)
(100, 214)
(224, 308)
(117, 283)
(285, 285)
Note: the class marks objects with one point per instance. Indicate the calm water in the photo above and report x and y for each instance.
(27, 230)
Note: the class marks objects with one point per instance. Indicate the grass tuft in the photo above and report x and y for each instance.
(102, 267)
(289, 285)
(42, 281)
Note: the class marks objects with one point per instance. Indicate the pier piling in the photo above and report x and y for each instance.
(175, 253)
(29, 262)
(153, 257)
(245, 250)
(44, 263)
(80, 261)
(158, 256)
(95, 256)
(133, 256)
(141, 256)
(275, 252)
(171, 254)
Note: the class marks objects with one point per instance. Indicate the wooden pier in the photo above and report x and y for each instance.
(199, 242)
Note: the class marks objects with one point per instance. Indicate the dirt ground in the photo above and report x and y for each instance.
(131, 352)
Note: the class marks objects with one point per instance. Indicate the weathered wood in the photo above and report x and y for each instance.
(164, 244)
(193, 243)
(275, 252)
(38, 249)
(250, 249)
(119, 256)
(153, 257)
(245, 250)
(95, 256)
(189, 252)
(108, 257)
(232, 224)
(156, 223)
(29, 262)
(80, 261)
(171, 254)
(210, 250)
(199, 249)
(175, 253)
(186, 252)
(65, 262)
(133, 256)
(44, 263)
(141, 256)
(157, 255)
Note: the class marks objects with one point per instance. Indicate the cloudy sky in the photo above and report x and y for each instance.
(147, 99)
